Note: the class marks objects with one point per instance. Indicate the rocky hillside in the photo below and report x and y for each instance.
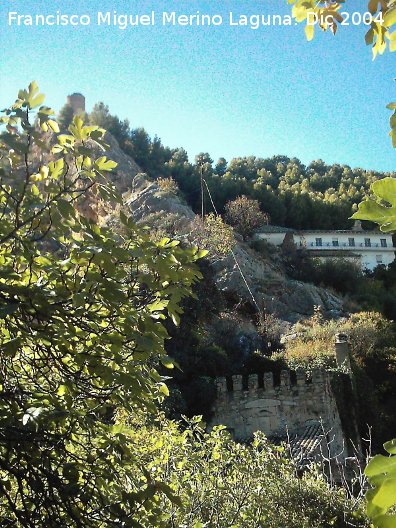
(168, 214)
(273, 290)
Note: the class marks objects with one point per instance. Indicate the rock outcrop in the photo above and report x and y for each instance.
(272, 289)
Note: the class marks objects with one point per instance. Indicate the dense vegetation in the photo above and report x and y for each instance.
(224, 484)
(295, 195)
(381, 470)
(367, 290)
(373, 354)
(82, 328)
(313, 196)
(84, 313)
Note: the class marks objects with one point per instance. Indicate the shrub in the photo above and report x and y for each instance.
(212, 234)
(245, 215)
(81, 330)
(221, 483)
(162, 225)
(168, 185)
(340, 274)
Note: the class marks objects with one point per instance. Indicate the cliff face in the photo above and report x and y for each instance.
(272, 289)
(279, 295)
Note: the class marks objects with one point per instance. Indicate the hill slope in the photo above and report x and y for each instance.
(273, 290)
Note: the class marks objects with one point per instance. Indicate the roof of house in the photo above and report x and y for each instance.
(346, 231)
(304, 444)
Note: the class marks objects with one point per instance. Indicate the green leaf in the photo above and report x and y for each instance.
(164, 389)
(390, 17)
(56, 168)
(309, 31)
(385, 189)
(121, 429)
(381, 465)
(33, 87)
(167, 362)
(103, 164)
(53, 125)
(383, 498)
(36, 101)
(385, 521)
(390, 446)
(375, 211)
(35, 190)
(62, 390)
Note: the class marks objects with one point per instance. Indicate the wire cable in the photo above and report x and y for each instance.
(234, 256)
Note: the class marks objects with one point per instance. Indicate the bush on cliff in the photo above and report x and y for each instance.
(371, 338)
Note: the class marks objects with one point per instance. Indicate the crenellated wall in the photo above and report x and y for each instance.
(246, 405)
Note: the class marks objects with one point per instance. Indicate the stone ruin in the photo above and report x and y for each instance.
(301, 409)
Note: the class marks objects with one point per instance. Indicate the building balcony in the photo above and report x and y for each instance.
(344, 246)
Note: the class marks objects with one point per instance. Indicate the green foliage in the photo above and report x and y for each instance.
(381, 499)
(214, 235)
(245, 215)
(101, 116)
(328, 16)
(82, 313)
(341, 275)
(316, 196)
(392, 122)
(221, 167)
(65, 116)
(381, 209)
(224, 484)
(370, 290)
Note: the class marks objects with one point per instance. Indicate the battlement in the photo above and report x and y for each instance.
(268, 382)
(277, 403)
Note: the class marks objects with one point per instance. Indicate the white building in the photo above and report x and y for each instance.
(367, 248)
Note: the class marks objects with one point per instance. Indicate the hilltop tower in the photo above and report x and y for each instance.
(77, 102)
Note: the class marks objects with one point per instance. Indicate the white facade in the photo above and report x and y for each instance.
(367, 248)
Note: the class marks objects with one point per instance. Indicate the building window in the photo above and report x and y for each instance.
(383, 242)
(351, 242)
(318, 241)
(367, 242)
(379, 259)
(335, 242)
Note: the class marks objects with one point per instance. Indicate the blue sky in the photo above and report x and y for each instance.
(228, 91)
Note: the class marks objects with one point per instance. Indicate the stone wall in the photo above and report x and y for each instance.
(291, 404)
(77, 102)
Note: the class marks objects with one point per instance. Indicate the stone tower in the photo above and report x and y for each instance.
(77, 102)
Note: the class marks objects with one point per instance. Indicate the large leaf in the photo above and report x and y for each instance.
(375, 210)
(385, 521)
(390, 446)
(381, 465)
